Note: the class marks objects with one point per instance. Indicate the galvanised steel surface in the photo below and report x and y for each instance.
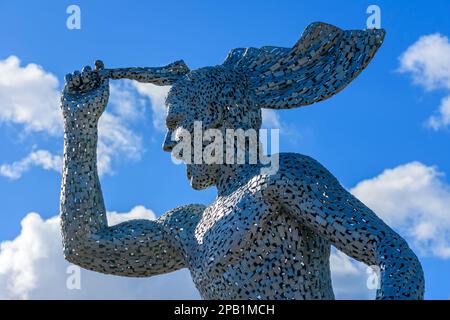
(266, 236)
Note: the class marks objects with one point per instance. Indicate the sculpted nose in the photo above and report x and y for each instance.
(168, 144)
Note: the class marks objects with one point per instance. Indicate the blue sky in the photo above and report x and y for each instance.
(378, 122)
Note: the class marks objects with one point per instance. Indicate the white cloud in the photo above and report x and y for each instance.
(415, 200)
(349, 278)
(124, 100)
(442, 118)
(116, 140)
(428, 61)
(38, 158)
(270, 119)
(157, 96)
(138, 212)
(32, 267)
(29, 96)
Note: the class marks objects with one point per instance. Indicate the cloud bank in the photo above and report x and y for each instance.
(414, 199)
(29, 97)
(32, 267)
(428, 62)
(38, 158)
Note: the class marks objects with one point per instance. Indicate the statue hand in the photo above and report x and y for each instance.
(85, 97)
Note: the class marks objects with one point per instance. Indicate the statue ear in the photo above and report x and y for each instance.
(323, 62)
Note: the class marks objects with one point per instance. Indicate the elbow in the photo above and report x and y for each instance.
(402, 271)
(396, 249)
(78, 255)
(77, 249)
(72, 256)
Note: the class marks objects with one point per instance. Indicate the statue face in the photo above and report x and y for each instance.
(192, 99)
(209, 98)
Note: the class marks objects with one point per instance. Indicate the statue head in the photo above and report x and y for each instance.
(231, 95)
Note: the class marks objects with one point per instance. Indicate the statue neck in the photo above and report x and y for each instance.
(233, 176)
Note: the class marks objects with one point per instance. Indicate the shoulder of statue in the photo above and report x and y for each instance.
(182, 217)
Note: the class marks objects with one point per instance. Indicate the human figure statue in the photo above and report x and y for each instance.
(266, 235)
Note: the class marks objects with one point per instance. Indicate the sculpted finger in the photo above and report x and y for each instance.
(68, 78)
(99, 65)
(86, 69)
(68, 81)
(76, 78)
(86, 75)
(103, 74)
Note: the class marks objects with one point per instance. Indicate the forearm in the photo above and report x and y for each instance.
(401, 274)
(82, 208)
(136, 248)
(166, 75)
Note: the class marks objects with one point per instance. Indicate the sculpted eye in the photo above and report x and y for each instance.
(173, 120)
(170, 124)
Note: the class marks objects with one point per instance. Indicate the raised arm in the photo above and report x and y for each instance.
(161, 76)
(316, 198)
(135, 248)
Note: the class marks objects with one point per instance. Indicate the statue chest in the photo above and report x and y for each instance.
(229, 226)
(253, 250)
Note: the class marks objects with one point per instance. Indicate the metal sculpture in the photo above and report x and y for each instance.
(266, 236)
